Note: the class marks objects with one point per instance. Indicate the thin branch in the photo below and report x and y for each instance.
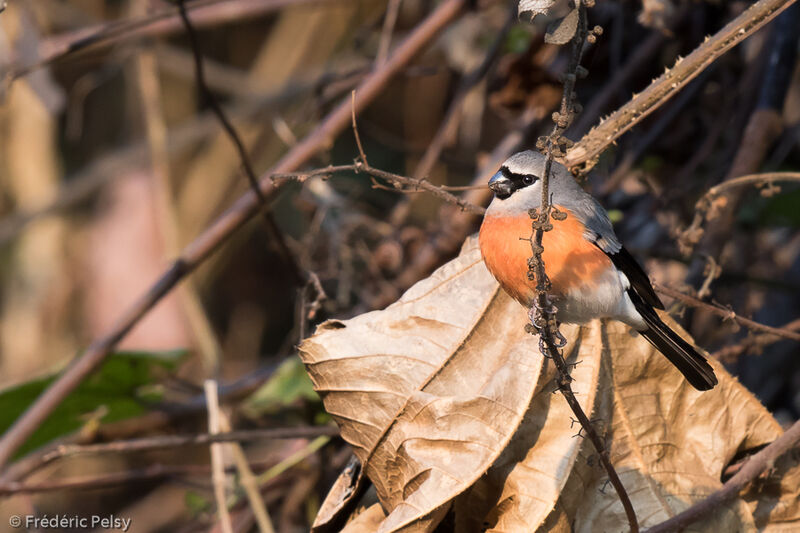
(450, 121)
(248, 482)
(752, 343)
(361, 154)
(271, 226)
(709, 205)
(178, 441)
(164, 22)
(420, 184)
(162, 417)
(752, 468)
(542, 313)
(217, 458)
(392, 9)
(402, 184)
(727, 313)
(150, 472)
(222, 229)
(585, 152)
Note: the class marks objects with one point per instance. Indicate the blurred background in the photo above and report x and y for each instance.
(111, 161)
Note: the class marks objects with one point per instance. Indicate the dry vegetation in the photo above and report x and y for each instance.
(192, 189)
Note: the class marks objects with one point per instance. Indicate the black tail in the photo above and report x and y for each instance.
(679, 352)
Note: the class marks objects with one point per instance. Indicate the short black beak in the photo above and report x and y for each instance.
(501, 186)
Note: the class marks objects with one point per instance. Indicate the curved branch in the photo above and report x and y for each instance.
(754, 466)
(727, 313)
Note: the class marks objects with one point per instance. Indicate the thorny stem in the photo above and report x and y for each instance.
(586, 152)
(543, 313)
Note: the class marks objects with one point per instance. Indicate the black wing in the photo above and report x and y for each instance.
(637, 277)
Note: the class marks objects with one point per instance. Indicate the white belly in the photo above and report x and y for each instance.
(607, 298)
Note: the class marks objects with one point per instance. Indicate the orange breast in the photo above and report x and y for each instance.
(570, 260)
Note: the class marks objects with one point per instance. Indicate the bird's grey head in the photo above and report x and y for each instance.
(517, 186)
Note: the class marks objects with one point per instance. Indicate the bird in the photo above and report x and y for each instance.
(591, 274)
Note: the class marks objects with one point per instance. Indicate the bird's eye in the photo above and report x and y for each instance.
(528, 179)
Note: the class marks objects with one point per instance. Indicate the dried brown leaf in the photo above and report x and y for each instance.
(523, 485)
(668, 442)
(562, 31)
(367, 521)
(430, 390)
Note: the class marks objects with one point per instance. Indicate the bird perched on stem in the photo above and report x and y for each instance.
(591, 273)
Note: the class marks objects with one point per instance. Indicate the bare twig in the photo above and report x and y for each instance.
(94, 482)
(248, 482)
(751, 469)
(221, 229)
(585, 152)
(217, 459)
(402, 184)
(405, 184)
(392, 9)
(270, 225)
(177, 441)
(361, 154)
(709, 205)
(727, 313)
(164, 417)
(450, 121)
(752, 343)
(542, 312)
(164, 22)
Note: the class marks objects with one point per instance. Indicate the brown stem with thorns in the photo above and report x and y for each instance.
(542, 312)
(585, 153)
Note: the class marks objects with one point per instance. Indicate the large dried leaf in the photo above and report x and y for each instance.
(668, 442)
(523, 485)
(430, 390)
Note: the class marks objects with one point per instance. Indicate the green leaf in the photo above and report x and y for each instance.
(110, 393)
(289, 385)
(518, 40)
(196, 503)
